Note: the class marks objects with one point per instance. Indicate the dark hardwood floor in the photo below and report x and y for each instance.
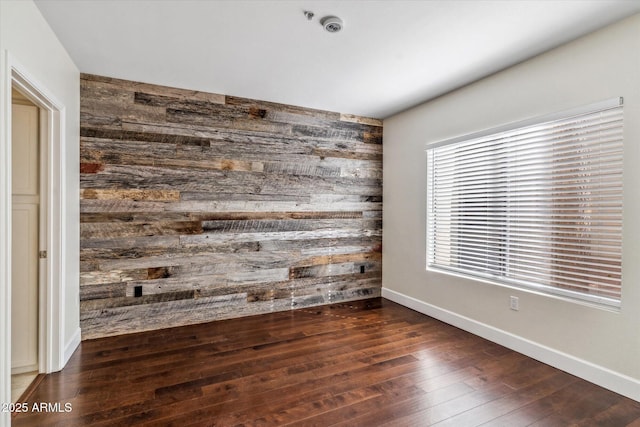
(364, 363)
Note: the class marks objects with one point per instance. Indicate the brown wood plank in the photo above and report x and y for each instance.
(159, 228)
(95, 80)
(359, 119)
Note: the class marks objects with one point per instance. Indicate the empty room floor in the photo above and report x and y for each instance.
(363, 363)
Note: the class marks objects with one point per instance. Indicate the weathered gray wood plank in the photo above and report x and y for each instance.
(358, 119)
(219, 206)
(117, 230)
(92, 80)
(217, 238)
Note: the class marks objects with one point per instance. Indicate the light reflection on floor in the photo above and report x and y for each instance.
(20, 382)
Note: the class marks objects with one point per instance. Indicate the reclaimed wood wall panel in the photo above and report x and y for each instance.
(218, 207)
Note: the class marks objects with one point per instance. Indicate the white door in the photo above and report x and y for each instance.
(25, 238)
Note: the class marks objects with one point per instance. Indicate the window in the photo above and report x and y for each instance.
(535, 204)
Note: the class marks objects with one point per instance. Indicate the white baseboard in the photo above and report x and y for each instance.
(71, 346)
(611, 380)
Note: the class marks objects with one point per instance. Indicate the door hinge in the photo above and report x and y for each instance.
(42, 254)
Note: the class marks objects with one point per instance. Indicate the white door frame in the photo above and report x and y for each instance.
(51, 283)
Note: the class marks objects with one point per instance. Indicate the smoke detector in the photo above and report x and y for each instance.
(332, 24)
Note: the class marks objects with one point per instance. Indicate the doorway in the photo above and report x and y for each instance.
(28, 232)
(53, 347)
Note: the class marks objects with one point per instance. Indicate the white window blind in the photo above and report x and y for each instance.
(535, 204)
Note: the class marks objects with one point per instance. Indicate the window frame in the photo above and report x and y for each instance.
(549, 290)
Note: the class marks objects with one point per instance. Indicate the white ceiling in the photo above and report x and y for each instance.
(390, 55)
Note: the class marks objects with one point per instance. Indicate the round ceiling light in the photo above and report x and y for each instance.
(332, 24)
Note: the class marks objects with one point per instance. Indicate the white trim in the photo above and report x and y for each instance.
(604, 377)
(52, 293)
(52, 328)
(71, 346)
(44, 224)
(5, 237)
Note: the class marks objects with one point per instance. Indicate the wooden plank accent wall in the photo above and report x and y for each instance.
(220, 207)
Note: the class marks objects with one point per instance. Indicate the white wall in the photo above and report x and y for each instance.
(599, 345)
(26, 39)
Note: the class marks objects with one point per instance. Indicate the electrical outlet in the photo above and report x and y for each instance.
(514, 303)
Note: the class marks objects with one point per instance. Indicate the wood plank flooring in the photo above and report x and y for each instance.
(364, 363)
(20, 383)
